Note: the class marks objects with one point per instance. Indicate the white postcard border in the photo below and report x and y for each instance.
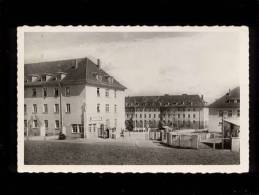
(244, 104)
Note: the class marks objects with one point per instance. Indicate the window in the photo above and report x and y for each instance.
(56, 92)
(154, 115)
(34, 92)
(67, 108)
(45, 108)
(115, 123)
(230, 113)
(178, 115)
(106, 107)
(189, 109)
(98, 92)
(34, 108)
(35, 123)
(74, 128)
(57, 124)
(115, 108)
(144, 115)
(90, 128)
(94, 127)
(115, 93)
(140, 115)
(136, 115)
(189, 116)
(183, 115)
(168, 115)
(67, 91)
(25, 109)
(81, 128)
(56, 108)
(220, 113)
(46, 124)
(44, 92)
(107, 92)
(193, 115)
(149, 115)
(98, 108)
(194, 121)
(25, 124)
(238, 112)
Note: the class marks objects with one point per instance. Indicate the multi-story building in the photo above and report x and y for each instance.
(177, 111)
(74, 95)
(226, 107)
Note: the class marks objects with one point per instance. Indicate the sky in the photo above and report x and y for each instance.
(149, 63)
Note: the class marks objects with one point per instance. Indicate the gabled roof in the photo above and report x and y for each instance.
(82, 74)
(227, 100)
(165, 101)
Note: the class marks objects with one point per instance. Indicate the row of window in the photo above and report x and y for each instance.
(107, 108)
(158, 110)
(45, 108)
(45, 91)
(35, 124)
(107, 93)
(154, 115)
(229, 113)
(153, 121)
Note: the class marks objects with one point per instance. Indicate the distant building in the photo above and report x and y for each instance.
(75, 95)
(177, 111)
(226, 107)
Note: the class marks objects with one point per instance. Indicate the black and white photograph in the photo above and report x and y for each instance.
(133, 99)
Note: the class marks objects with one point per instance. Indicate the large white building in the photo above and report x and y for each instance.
(226, 107)
(177, 111)
(74, 95)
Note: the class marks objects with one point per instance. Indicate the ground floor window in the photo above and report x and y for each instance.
(77, 128)
(74, 128)
(90, 127)
(94, 127)
(81, 128)
(25, 123)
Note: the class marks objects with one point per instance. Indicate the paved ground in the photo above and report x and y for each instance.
(120, 152)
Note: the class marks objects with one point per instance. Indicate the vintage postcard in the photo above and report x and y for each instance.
(133, 99)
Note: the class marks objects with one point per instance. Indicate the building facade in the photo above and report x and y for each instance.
(75, 96)
(226, 107)
(176, 111)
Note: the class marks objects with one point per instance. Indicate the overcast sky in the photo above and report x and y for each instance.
(150, 63)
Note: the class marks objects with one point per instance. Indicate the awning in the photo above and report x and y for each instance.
(233, 121)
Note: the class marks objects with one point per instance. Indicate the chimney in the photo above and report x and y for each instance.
(98, 63)
(76, 65)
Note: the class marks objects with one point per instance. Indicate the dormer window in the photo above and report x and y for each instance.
(34, 78)
(110, 80)
(60, 76)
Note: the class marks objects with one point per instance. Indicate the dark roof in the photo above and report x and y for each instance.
(83, 74)
(165, 101)
(228, 100)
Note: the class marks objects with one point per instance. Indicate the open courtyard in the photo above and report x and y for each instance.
(120, 152)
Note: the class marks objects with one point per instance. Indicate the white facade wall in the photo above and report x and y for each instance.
(98, 119)
(215, 119)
